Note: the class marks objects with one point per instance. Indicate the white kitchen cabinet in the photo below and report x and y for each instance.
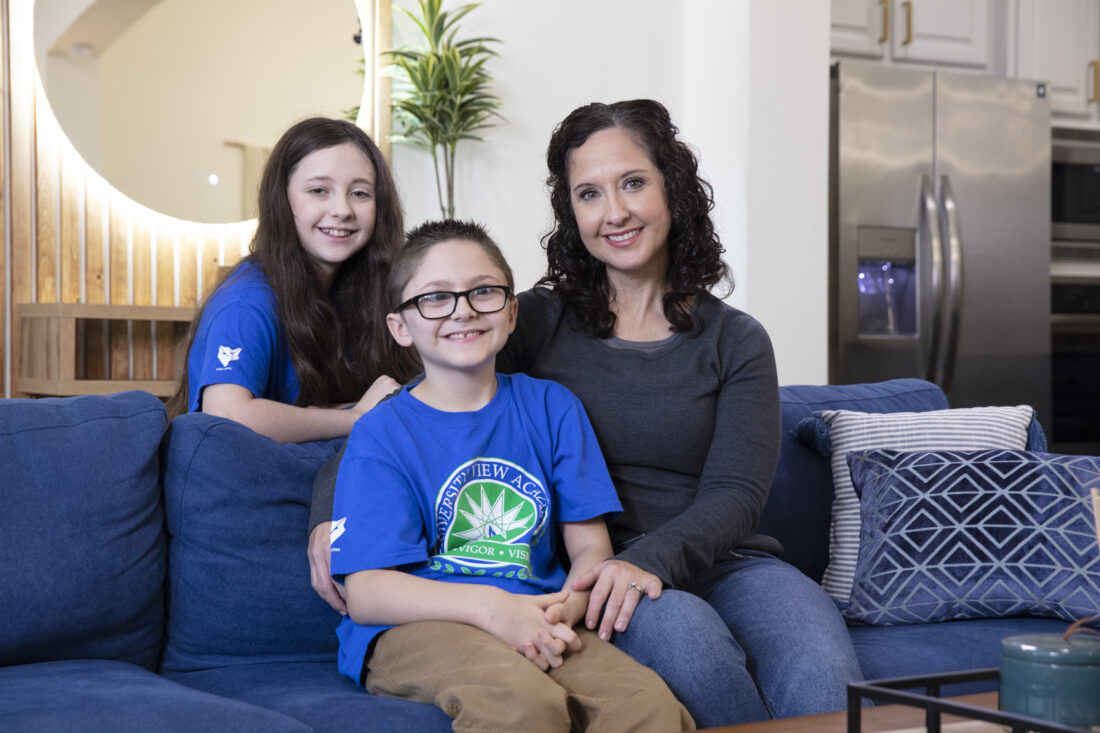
(1059, 41)
(927, 32)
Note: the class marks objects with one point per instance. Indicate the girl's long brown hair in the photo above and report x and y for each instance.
(338, 340)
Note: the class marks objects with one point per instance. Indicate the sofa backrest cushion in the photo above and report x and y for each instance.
(82, 546)
(237, 507)
(799, 506)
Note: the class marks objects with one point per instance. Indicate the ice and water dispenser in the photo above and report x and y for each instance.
(887, 281)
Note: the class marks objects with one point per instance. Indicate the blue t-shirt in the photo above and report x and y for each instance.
(466, 497)
(240, 340)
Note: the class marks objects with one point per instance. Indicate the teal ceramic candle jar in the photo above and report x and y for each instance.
(1048, 677)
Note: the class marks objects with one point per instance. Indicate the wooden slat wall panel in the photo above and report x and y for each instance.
(94, 345)
(119, 257)
(188, 266)
(70, 237)
(142, 262)
(72, 204)
(46, 165)
(6, 367)
(21, 86)
(165, 295)
(209, 253)
(95, 263)
(141, 286)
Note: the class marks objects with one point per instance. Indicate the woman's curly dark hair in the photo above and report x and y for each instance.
(695, 251)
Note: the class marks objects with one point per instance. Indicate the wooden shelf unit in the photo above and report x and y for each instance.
(50, 352)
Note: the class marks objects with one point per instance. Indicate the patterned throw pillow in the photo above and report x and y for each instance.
(960, 535)
(974, 428)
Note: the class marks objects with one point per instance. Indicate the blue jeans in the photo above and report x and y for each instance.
(752, 638)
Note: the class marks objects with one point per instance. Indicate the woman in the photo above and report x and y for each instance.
(682, 392)
(299, 324)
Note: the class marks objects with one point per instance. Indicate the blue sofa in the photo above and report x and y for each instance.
(157, 580)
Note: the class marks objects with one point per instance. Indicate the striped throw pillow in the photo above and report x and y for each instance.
(966, 429)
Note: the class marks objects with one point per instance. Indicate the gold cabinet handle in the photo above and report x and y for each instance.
(885, 21)
(908, 23)
(1094, 66)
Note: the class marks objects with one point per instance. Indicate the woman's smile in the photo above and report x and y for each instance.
(622, 239)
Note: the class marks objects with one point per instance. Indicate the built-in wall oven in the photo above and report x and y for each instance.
(1075, 291)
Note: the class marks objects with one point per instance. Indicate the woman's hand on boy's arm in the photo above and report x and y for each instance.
(320, 568)
(588, 546)
(616, 588)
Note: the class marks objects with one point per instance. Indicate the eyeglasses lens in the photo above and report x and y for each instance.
(481, 300)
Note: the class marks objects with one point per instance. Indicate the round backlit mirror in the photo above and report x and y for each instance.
(176, 103)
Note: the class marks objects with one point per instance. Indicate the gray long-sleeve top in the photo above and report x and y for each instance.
(689, 428)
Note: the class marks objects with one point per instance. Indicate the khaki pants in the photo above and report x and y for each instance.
(484, 685)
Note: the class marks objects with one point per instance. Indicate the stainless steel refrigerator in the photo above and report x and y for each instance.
(940, 233)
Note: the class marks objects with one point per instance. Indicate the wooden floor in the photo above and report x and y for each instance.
(874, 720)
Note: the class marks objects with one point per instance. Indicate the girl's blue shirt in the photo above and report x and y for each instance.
(240, 340)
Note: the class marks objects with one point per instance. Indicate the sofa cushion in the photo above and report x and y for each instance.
(318, 695)
(81, 529)
(237, 507)
(887, 652)
(953, 535)
(836, 432)
(92, 695)
(799, 505)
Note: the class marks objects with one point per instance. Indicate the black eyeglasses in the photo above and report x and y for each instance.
(441, 304)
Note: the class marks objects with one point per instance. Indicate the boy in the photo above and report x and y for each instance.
(449, 503)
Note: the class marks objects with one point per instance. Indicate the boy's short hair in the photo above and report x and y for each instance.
(422, 238)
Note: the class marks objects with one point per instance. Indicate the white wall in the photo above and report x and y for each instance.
(554, 56)
(787, 193)
(747, 82)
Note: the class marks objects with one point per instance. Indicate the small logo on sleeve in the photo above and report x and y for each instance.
(226, 355)
(336, 530)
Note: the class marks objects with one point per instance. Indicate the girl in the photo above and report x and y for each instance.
(298, 325)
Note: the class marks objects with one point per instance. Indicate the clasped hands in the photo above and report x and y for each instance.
(614, 589)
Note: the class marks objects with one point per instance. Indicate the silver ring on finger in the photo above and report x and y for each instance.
(635, 586)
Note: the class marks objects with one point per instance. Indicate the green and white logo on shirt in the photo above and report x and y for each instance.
(488, 514)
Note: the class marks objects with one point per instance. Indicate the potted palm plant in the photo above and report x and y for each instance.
(441, 94)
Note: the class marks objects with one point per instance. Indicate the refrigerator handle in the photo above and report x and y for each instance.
(930, 211)
(954, 269)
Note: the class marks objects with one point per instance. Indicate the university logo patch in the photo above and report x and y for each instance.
(226, 354)
(488, 515)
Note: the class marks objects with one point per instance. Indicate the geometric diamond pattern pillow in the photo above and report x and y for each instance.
(959, 535)
(973, 428)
